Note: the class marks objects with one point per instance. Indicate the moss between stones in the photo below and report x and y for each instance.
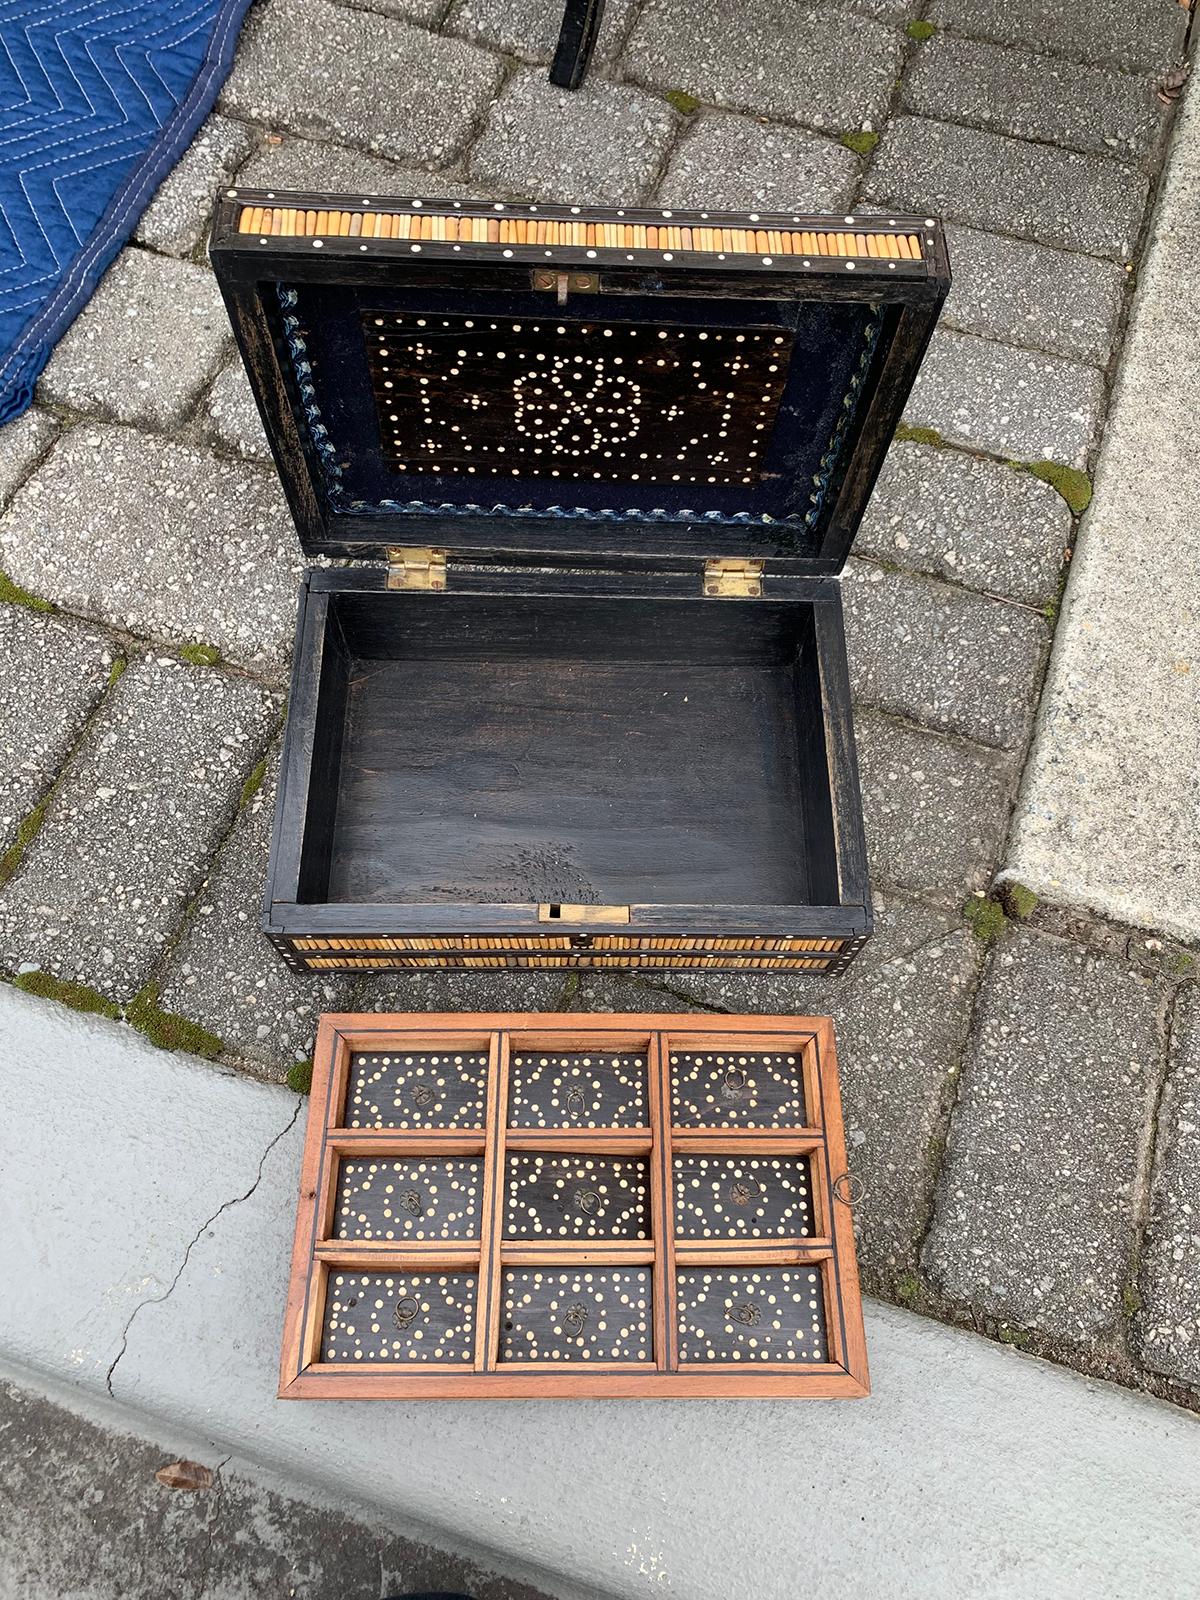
(906, 435)
(908, 1288)
(1013, 1336)
(13, 594)
(683, 102)
(1074, 486)
(1054, 605)
(116, 671)
(168, 1030)
(200, 655)
(299, 1076)
(27, 832)
(1019, 902)
(920, 31)
(862, 143)
(254, 782)
(1131, 1300)
(985, 917)
(76, 995)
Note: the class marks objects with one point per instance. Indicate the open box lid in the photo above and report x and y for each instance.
(554, 384)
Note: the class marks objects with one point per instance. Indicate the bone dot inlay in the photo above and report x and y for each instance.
(543, 397)
(408, 1199)
(600, 1314)
(580, 1089)
(754, 1314)
(395, 1316)
(576, 1197)
(416, 1089)
(737, 1088)
(742, 1197)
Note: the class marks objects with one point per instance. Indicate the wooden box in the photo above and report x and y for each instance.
(583, 700)
(528, 1206)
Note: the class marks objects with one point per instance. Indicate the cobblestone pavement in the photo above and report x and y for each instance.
(1021, 1098)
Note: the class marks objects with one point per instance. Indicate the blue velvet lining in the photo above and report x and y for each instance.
(834, 346)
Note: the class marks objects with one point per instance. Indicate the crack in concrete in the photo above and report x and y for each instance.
(226, 1205)
(214, 1520)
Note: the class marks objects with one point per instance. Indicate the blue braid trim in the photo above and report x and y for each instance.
(302, 371)
(823, 478)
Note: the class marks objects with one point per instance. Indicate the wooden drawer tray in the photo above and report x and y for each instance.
(527, 1205)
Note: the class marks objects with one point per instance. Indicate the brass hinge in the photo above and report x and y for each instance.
(733, 578)
(415, 567)
(559, 912)
(563, 283)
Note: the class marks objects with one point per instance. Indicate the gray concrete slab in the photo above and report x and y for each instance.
(54, 673)
(229, 417)
(1055, 197)
(144, 346)
(1031, 96)
(177, 220)
(328, 70)
(94, 1521)
(942, 656)
(293, 162)
(1033, 295)
(1010, 403)
(1166, 1326)
(1010, 1477)
(743, 163)
(131, 827)
(1109, 816)
(1139, 35)
(529, 30)
(1038, 1197)
(603, 142)
(821, 66)
(162, 539)
(968, 520)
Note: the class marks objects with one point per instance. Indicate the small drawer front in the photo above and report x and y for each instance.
(416, 1089)
(576, 1197)
(599, 1314)
(737, 1088)
(395, 1316)
(743, 1197)
(413, 1198)
(578, 1089)
(753, 1314)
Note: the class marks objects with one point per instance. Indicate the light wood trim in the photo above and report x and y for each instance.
(596, 1253)
(662, 1211)
(296, 1341)
(435, 1142)
(570, 1141)
(400, 1255)
(824, 1382)
(841, 1221)
(490, 1295)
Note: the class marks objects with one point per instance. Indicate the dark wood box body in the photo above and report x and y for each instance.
(570, 738)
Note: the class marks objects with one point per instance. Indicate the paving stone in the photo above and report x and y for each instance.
(1015, 403)
(461, 990)
(296, 163)
(1167, 1326)
(1034, 97)
(178, 217)
(529, 29)
(1107, 814)
(1140, 35)
(134, 823)
(144, 346)
(160, 538)
(230, 417)
(740, 163)
(22, 442)
(900, 1015)
(821, 66)
(362, 78)
(1036, 1197)
(225, 976)
(427, 12)
(1034, 295)
(1058, 197)
(947, 658)
(54, 672)
(935, 809)
(602, 143)
(968, 520)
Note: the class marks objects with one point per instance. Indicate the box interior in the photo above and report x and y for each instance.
(490, 748)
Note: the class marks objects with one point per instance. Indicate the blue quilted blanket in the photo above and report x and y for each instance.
(98, 99)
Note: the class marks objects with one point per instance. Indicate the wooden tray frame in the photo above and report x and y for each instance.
(831, 1247)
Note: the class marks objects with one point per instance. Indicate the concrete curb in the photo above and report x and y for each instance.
(1108, 817)
(149, 1214)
